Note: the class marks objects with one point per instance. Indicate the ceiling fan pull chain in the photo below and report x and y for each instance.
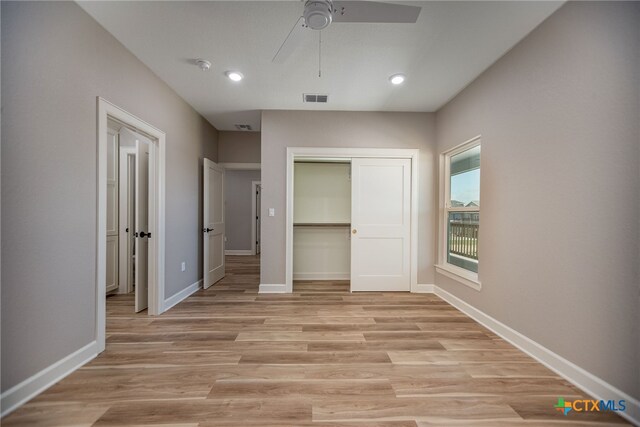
(320, 54)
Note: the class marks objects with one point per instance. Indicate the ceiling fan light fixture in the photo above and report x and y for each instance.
(318, 14)
(397, 79)
(236, 76)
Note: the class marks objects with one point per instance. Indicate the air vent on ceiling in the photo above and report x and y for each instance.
(243, 127)
(315, 97)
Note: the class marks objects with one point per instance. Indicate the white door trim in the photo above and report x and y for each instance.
(157, 158)
(254, 213)
(315, 153)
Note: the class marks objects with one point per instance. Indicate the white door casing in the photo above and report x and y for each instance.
(142, 225)
(326, 153)
(213, 223)
(107, 111)
(381, 224)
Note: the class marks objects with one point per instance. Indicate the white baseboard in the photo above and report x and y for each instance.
(36, 384)
(272, 289)
(182, 295)
(582, 379)
(238, 252)
(321, 276)
(422, 288)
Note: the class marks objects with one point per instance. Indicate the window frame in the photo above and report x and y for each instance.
(462, 275)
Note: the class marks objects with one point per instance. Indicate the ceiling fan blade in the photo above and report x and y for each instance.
(290, 43)
(371, 11)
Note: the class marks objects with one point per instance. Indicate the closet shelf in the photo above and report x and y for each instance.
(322, 224)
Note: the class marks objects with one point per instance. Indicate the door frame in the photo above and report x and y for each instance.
(254, 213)
(157, 160)
(314, 153)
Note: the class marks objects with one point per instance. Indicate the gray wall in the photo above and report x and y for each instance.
(238, 200)
(239, 147)
(559, 117)
(55, 61)
(281, 129)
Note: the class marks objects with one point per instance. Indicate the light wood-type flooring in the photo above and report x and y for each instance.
(321, 356)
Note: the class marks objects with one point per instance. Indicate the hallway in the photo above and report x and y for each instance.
(321, 356)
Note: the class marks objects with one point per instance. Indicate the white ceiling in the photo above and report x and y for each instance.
(449, 46)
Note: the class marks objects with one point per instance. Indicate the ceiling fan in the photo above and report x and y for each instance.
(319, 14)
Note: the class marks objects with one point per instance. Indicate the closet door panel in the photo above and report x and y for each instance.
(381, 225)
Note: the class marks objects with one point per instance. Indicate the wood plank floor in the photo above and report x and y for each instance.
(321, 356)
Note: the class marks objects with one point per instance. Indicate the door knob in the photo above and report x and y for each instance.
(354, 231)
(143, 234)
(206, 230)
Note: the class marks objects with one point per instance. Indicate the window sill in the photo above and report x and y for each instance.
(461, 275)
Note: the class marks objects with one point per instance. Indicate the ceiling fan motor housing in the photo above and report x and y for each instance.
(318, 14)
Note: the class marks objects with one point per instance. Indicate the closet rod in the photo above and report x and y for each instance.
(322, 224)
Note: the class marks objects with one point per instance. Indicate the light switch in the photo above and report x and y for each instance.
(183, 266)
(272, 212)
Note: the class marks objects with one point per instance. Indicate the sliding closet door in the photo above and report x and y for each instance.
(381, 225)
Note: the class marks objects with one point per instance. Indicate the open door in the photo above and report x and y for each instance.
(381, 225)
(213, 223)
(258, 206)
(141, 235)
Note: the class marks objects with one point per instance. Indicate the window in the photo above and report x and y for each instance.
(460, 223)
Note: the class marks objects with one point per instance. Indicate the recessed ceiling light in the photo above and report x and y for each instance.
(397, 79)
(236, 76)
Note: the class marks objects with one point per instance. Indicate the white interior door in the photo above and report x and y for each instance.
(257, 192)
(213, 223)
(126, 185)
(258, 210)
(112, 210)
(381, 225)
(142, 225)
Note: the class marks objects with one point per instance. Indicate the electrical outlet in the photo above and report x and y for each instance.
(183, 266)
(272, 212)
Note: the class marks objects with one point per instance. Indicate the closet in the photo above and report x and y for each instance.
(322, 220)
(352, 218)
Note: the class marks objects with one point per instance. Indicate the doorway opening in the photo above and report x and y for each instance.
(128, 213)
(322, 224)
(384, 242)
(148, 212)
(242, 196)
